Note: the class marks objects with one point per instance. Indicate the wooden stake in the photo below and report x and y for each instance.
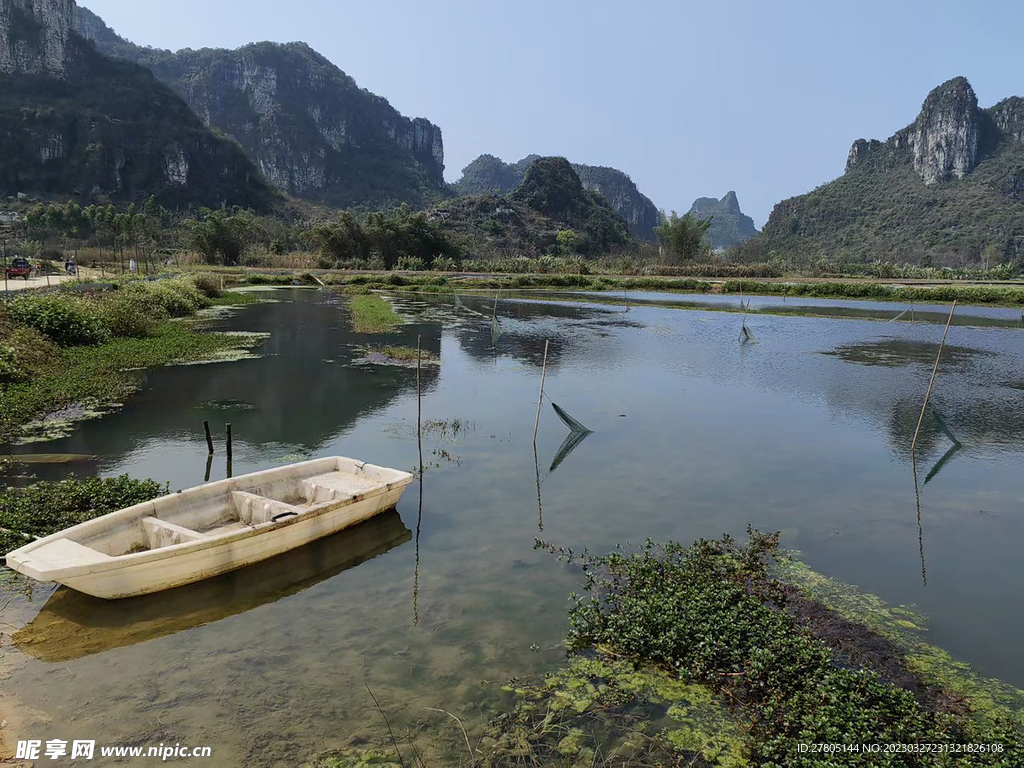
(540, 397)
(229, 440)
(931, 381)
(209, 437)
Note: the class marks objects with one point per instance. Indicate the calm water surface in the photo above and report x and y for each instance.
(806, 431)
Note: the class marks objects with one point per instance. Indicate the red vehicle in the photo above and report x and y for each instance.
(19, 268)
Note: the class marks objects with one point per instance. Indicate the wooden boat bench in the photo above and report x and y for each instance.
(336, 486)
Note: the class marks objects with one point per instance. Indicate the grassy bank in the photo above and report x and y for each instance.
(64, 356)
(47, 507)
(1010, 295)
(372, 314)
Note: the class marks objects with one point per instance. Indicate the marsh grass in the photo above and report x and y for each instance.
(372, 314)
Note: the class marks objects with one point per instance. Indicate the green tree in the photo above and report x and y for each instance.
(568, 242)
(341, 239)
(682, 236)
(221, 237)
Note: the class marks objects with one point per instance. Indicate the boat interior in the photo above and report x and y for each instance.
(225, 507)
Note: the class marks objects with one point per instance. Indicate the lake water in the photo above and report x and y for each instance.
(807, 430)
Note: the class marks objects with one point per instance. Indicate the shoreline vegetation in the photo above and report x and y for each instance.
(988, 294)
(68, 355)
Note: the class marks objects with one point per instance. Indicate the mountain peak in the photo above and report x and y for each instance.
(730, 202)
(729, 225)
(945, 134)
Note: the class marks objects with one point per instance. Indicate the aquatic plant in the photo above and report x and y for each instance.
(710, 612)
(600, 710)
(372, 314)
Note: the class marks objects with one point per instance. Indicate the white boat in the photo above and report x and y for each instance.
(205, 531)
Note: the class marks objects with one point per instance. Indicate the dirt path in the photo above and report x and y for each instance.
(17, 284)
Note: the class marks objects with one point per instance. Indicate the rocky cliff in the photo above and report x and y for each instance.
(34, 36)
(729, 225)
(77, 123)
(313, 132)
(489, 174)
(945, 189)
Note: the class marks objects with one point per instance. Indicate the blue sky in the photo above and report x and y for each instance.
(690, 99)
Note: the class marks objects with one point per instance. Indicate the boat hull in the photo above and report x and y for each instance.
(202, 532)
(188, 567)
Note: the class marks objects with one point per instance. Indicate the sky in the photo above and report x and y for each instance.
(690, 99)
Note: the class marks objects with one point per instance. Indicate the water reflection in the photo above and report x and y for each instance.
(72, 625)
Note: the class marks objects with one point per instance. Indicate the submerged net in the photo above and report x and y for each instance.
(569, 421)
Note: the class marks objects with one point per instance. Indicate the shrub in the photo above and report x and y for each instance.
(67, 320)
(179, 297)
(10, 369)
(445, 263)
(45, 508)
(130, 313)
(413, 263)
(208, 284)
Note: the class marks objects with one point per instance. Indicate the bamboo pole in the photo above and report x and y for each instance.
(419, 401)
(743, 322)
(209, 437)
(540, 397)
(931, 381)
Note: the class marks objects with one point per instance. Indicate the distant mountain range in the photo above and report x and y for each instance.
(74, 122)
(729, 225)
(87, 114)
(947, 189)
(490, 174)
(313, 132)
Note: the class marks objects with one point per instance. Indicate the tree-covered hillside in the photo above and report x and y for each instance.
(490, 174)
(549, 212)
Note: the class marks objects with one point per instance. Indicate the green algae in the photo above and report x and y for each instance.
(598, 708)
(989, 699)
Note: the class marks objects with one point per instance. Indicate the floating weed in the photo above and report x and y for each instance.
(398, 355)
(448, 429)
(357, 758)
(710, 614)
